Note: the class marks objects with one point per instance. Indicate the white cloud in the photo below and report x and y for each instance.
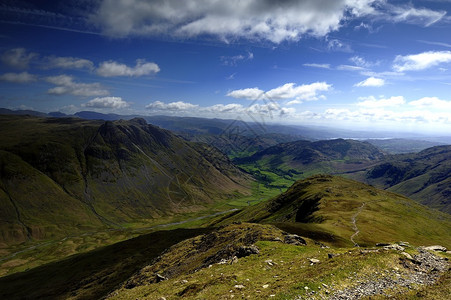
(17, 58)
(301, 92)
(173, 106)
(284, 92)
(107, 102)
(361, 62)
(66, 85)
(338, 46)
(350, 68)
(227, 108)
(412, 15)
(112, 68)
(23, 77)
(249, 93)
(421, 61)
(372, 102)
(234, 60)
(321, 66)
(371, 81)
(275, 21)
(53, 62)
(432, 102)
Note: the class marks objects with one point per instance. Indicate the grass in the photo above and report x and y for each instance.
(279, 271)
(91, 275)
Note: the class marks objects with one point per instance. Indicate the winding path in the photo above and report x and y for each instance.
(354, 225)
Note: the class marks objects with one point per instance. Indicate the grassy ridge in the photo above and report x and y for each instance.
(325, 207)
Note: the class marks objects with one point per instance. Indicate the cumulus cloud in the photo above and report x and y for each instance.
(23, 77)
(275, 21)
(432, 102)
(17, 58)
(372, 102)
(301, 92)
(53, 62)
(371, 81)
(173, 106)
(112, 68)
(284, 92)
(107, 102)
(421, 61)
(66, 85)
(249, 93)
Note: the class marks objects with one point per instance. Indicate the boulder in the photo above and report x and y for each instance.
(294, 239)
(436, 248)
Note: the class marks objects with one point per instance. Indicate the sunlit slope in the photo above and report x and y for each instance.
(334, 209)
(68, 172)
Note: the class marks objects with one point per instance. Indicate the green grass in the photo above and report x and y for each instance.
(286, 277)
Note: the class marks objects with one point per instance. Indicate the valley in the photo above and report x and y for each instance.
(115, 195)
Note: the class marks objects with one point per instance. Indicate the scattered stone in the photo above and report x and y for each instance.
(404, 244)
(425, 268)
(244, 251)
(184, 281)
(223, 261)
(332, 255)
(394, 247)
(239, 286)
(159, 278)
(265, 286)
(270, 262)
(306, 288)
(325, 285)
(407, 255)
(436, 248)
(314, 260)
(162, 298)
(234, 260)
(277, 239)
(294, 239)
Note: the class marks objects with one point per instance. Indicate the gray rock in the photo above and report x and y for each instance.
(244, 251)
(159, 278)
(436, 248)
(394, 247)
(314, 260)
(294, 239)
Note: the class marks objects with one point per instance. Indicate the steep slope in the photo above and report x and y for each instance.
(423, 176)
(344, 212)
(74, 174)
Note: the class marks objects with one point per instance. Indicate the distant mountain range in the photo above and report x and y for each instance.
(65, 175)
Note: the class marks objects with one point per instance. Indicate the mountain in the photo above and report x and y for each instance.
(66, 175)
(302, 158)
(399, 146)
(343, 212)
(423, 176)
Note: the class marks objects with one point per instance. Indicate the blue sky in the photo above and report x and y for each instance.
(369, 64)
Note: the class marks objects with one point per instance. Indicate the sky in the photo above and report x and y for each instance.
(361, 64)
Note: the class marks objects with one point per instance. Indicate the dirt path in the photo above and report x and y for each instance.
(354, 225)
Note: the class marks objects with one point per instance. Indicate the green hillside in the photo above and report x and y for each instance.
(70, 175)
(424, 176)
(332, 209)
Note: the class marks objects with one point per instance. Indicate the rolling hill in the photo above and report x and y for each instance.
(424, 176)
(65, 175)
(333, 209)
